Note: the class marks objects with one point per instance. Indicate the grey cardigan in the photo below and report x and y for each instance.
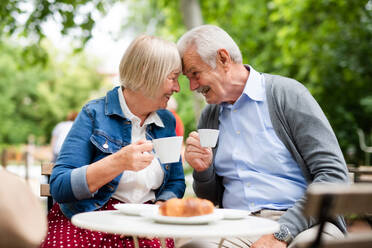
(302, 126)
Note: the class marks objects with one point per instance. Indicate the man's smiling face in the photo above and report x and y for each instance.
(203, 78)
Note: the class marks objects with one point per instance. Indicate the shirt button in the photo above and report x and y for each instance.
(237, 132)
(234, 110)
(167, 167)
(248, 184)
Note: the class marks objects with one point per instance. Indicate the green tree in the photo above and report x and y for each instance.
(34, 98)
(76, 18)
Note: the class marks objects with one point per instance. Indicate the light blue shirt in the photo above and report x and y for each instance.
(258, 170)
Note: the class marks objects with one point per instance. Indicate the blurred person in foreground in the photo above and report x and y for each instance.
(274, 140)
(22, 217)
(106, 157)
(60, 132)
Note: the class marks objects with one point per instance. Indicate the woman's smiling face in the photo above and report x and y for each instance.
(169, 86)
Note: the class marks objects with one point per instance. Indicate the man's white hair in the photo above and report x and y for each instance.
(208, 39)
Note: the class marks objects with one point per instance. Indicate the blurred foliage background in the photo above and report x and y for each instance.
(324, 44)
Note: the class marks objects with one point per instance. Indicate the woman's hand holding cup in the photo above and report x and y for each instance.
(136, 156)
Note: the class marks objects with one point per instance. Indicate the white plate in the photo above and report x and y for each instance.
(233, 214)
(135, 209)
(202, 219)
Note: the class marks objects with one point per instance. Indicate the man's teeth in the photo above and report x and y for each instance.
(204, 90)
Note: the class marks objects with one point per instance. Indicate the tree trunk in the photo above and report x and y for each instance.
(192, 17)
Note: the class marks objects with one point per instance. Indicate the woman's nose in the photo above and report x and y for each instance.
(176, 86)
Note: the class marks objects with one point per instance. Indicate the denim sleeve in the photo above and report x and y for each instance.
(79, 183)
(175, 185)
(68, 179)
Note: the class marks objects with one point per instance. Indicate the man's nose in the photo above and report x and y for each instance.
(193, 84)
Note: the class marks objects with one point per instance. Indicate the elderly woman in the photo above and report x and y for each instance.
(106, 157)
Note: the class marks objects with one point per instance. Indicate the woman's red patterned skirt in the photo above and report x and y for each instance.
(62, 233)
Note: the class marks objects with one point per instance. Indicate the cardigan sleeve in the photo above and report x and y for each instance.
(206, 183)
(304, 129)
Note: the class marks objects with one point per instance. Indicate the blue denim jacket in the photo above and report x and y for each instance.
(100, 130)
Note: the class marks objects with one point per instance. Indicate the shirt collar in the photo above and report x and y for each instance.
(254, 87)
(152, 118)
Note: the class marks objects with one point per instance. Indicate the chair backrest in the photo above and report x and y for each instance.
(329, 200)
(46, 170)
(361, 174)
(362, 141)
(344, 199)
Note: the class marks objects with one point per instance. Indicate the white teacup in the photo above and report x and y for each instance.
(208, 137)
(168, 149)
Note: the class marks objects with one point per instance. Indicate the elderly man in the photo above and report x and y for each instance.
(274, 139)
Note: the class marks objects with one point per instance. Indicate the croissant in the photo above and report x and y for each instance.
(186, 207)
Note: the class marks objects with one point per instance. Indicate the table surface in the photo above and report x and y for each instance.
(119, 223)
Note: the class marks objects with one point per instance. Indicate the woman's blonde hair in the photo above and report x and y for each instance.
(146, 64)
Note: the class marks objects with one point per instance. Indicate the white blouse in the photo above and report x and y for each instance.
(139, 186)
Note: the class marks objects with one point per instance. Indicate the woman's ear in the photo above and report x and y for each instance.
(223, 58)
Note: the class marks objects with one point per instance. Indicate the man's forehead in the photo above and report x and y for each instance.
(191, 61)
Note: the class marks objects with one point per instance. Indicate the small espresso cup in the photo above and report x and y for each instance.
(208, 137)
(168, 149)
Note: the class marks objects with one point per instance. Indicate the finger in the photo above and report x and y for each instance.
(146, 157)
(193, 142)
(194, 134)
(198, 165)
(140, 165)
(200, 152)
(140, 142)
(190, 156)
(197, 156)
(145, 147)
(197, 149)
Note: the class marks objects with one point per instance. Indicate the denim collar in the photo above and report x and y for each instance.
(112, 104)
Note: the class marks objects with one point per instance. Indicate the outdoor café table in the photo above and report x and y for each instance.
(113, 221)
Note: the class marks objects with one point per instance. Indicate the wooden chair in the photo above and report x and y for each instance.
(363, 145)
(325, 201)
(362, 174)
(46, 170)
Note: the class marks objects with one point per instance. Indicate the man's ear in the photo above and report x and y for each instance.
(223, 57)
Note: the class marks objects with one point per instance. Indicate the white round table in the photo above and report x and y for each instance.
(119, 223)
